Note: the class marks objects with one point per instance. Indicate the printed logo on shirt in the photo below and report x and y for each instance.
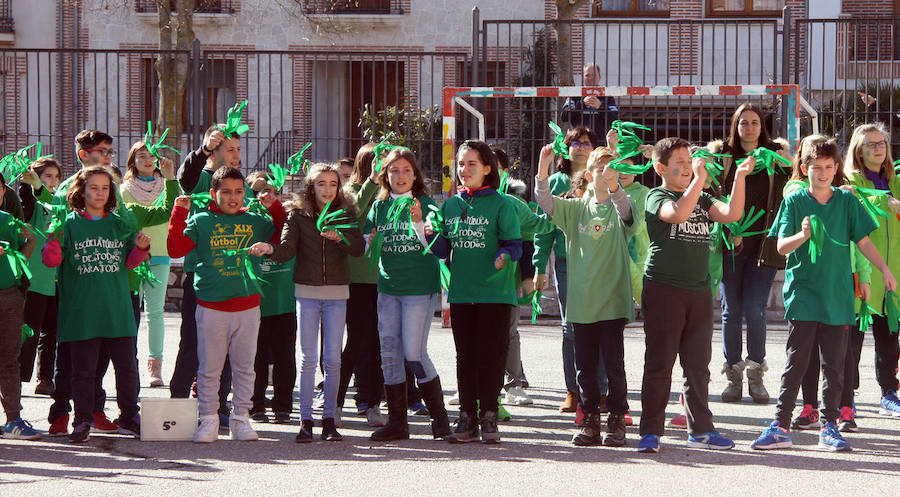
(398, 241)
(694, 230)
(227, 236)
(595, 229)
(471, 233)
(98, 255)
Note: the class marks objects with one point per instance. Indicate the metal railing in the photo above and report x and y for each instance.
(6, 19)
(846, 62)
(203, 6)
(627, 52)
(295, 97)
(337, 7)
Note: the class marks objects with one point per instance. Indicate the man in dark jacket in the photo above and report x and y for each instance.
(594, 112)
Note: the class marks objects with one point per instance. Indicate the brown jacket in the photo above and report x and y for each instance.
(319, 261)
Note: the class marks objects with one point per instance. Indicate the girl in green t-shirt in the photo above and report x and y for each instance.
(408, 286)
(480, 234)
(93, 251)
(40, 301)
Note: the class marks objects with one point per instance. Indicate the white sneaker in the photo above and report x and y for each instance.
(318, 399)
(454, 400)
(517, 396)
(241, 429)
(208, 431)
(374, 417)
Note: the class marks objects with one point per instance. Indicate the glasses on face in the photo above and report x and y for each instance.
(875, 145)
(577, 144)
(105, 152)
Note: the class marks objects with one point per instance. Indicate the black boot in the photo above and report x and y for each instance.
(433, 396)
(397, 428)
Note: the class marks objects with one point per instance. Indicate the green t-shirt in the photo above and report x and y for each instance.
(8, 234)
(94, 300)
(679, 253)
(360, 269)
(484, 220)
(43, 278)
(403, 268)
(277, 283)
(204, 185)
(219, 277)
(821, 292)
(530, 222)
(599, 282)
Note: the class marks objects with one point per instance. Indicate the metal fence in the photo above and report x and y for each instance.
(6, 19)
(645, 52)
(295, 97)
(846, 64)
(339, 99)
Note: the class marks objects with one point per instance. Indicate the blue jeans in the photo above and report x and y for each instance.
(568, 344)
(745, 289)
(332, 316)
(403, 325)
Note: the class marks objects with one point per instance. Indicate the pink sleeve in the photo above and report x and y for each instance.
(51, 255)
(136, 257)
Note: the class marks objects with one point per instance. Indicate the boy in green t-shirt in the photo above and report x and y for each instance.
(818, 286)
(597, 228)
(677, 301)
(228, 300)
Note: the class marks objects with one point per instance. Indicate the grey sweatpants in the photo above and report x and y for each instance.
(12, 309)
(221, 334)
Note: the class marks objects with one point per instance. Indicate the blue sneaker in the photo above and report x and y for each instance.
(890, 405)
(709, 440)
(20, 430)
(830, 438)
(773, 437)
(649, 444)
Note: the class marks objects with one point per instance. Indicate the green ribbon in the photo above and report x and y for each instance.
(864, 194)
(713, 168)
(629, 141)
(154, 147)
(277, 177)
(256, 206)
(58, 215)
(13, 165)
(892, 310)
(628, 168)
(144, 275)
(201, 200)
(297, 162)
(897, 165)
(17, 261)
(402, 205)
(504, 183)
(533, 298)
(445, 274)
(436, 219)
(865, 315)
(330, 221)
(374, 250)
(233, 124)
(741, 227)
(817, 238)
(17, 225)
(559, 146)
(27, 332)
(382, 149)
(506, 274)
(766, 160)
(243, 256)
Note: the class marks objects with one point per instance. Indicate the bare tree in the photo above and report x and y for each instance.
(176, 32)
(566, 10)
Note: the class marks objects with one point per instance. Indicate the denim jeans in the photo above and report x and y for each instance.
(745, 290)
(568, 344)
(403, 325)
(331, 314)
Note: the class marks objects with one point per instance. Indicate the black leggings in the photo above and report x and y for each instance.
(481, 335)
